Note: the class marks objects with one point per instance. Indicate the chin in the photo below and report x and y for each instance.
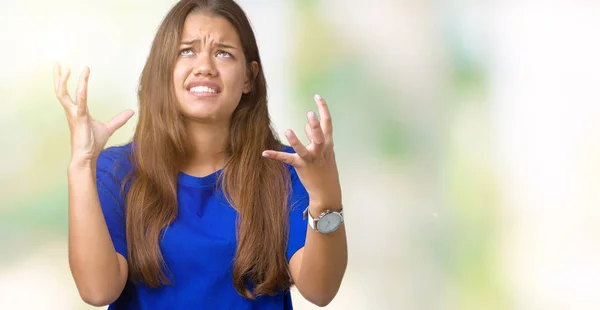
(199, 110)
(205, 111)
(201, 117)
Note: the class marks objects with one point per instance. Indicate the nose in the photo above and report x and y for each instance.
(204, 65)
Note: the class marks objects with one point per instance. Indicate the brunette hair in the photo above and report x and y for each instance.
(255, 187)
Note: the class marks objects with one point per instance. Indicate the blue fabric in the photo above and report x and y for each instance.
(198, 247)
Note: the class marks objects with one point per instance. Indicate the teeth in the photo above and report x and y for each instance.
(202, 89)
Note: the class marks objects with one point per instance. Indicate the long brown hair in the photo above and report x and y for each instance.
(257, 188)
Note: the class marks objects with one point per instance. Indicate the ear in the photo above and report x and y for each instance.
(250, 77)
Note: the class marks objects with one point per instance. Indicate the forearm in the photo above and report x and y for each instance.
(324, 261)
(92, 257)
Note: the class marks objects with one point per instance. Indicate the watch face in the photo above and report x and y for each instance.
(329, 223)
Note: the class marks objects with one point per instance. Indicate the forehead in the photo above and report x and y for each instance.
(200, 25)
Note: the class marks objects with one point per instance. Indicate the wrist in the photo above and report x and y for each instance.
(326, 221)
(82, 163)
(316, 208)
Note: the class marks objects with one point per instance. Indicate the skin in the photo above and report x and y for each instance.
(210, 52)
(99, 272)
(317, 268)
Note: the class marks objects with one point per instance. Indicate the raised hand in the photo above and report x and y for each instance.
(88, 136)
(315, 163)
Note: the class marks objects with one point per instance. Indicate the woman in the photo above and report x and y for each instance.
(205, 208)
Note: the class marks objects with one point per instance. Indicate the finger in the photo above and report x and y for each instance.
(82, 89)
(317, 133)
(307, 131)
(326, 123)
(296, 144)
(291, 159)
(63, 93)
(118, 121)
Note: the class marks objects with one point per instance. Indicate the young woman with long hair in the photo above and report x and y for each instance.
(204, 208)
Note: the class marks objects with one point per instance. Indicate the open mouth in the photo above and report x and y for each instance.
(203, 89)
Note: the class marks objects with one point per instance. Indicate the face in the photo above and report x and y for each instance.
(210, 73)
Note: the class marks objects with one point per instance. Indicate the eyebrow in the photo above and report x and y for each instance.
(221, 45)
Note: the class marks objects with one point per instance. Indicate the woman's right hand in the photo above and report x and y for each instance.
(88, 136)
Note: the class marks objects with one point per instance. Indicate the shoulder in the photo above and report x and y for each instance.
(115, 160)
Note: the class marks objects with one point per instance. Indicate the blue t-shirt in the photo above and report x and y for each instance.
(198, 247)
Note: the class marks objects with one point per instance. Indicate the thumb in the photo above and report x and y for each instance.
(118, 121)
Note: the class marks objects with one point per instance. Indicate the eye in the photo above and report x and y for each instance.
(186, 52)
(225, 54)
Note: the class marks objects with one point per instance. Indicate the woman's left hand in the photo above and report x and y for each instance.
(315, 163)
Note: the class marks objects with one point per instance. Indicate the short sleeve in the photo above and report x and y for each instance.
(111, 198)
(298, 226)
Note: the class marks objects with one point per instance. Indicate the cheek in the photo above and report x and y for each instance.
(236, 79)
(179, 75)
(179, 78)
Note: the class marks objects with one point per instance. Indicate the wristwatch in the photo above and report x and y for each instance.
(328, 222)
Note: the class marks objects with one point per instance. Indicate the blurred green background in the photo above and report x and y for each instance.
(467, 134)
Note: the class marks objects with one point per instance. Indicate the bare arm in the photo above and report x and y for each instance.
(318, 268)
(100, 273)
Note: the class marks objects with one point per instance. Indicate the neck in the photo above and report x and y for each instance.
(207, 147)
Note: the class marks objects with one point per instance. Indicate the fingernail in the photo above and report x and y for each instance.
(288, 133)
(318, 97)
(312, 115)
(265, 154)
